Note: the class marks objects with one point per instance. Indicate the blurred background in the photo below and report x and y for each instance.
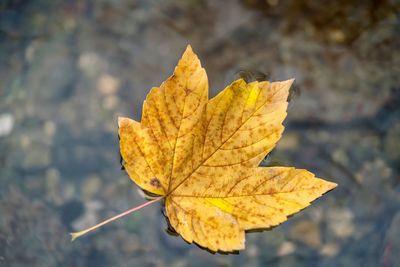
(68, 69)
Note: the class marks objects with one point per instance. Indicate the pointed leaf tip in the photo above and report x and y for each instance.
(288, 82)
(189, 47)
(331, 185)
(189, 52)
(121, 120)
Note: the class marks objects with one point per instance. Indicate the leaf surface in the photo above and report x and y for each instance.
(203, 156)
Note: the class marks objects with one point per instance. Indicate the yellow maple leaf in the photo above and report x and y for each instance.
(202, 157)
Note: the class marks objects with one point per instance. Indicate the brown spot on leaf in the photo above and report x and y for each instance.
(155, 182)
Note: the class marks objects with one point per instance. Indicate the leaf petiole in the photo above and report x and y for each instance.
(75, 235)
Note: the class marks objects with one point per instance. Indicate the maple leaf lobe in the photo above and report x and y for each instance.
(203, 156)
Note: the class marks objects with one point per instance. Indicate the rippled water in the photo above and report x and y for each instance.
(68, 69)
